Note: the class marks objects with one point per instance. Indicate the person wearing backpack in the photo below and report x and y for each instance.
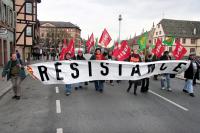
(14, 71)
(189, 76)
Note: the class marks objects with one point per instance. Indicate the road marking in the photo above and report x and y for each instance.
(57, 89)
(175, 104)
(59, 130)
(58, 107)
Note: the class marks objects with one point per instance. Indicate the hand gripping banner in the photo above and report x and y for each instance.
(74, 71)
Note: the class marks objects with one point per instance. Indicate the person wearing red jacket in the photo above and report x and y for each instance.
(99, 84)
(134, 58)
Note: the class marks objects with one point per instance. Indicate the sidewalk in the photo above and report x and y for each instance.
(5, 86)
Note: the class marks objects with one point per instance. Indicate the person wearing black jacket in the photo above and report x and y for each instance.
(145, 81)
(166, 76)
(189, 76)
(80, 57)
(134, 58)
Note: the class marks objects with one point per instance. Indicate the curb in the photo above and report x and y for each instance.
(5, 91)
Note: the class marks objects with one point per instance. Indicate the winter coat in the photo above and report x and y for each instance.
(189, 73)
(7, 69)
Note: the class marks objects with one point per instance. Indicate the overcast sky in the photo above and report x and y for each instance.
(95, 15)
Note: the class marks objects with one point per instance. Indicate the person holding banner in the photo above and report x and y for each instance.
(99, 84)
(134, 58)
(189, 76)
(165, 77)
(145, 81)
(80, 57)
(68, 87)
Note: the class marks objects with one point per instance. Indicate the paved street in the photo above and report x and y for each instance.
(45, 109)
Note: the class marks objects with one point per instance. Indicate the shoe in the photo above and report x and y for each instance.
(68, 93)
(185, 91)
(163, 88)
(76, 88)
(135, 93)
(17, 97)
(192, 94)
(14, 97)
(101, 90)
(80, 87)
(169, 89)
(86, 83)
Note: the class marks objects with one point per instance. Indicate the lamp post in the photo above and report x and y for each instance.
(120, 19)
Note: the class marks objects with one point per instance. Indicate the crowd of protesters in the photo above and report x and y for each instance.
(14, 71)
(190, 75)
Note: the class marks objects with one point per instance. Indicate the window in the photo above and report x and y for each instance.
(4, 13)
(183, 40)
(193, 41)
(192, 50)
(160, 32)
(149, 41)
(156, 33)
(10, 18)
(170, 49)
(29, 8)
(29, 31)
(0, 12)
(42, 35)
(158, 25)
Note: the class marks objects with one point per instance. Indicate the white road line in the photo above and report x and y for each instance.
(58, 107)
(59, 130)
(57, 89)
(175, 104)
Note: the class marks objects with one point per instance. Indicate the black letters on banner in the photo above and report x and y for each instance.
(90, 68)
(137, 67)
(73, 67)
(151, 68)
(162, 68)
(120, 69)
(58, 70)
(178, 66)
(43, 72)
(105, 67)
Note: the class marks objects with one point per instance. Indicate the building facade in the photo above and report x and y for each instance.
(26, 26)
(7, 30)
(188, 32)
(54, 32)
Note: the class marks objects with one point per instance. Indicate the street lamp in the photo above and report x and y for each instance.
(120, 19)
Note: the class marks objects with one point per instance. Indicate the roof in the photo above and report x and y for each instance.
(60, 24)
(181, 28)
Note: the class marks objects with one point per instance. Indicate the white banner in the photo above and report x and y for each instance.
(68, 72)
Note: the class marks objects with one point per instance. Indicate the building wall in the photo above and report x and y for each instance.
(26, 26)
(159, 33)
(7, 22)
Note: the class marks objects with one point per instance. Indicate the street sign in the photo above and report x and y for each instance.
(3, 31)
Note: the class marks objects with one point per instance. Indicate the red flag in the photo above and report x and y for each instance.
(124, 52)
(105, 38)
(70, 48)
(179, 51)
(90, 43)
(159, 48)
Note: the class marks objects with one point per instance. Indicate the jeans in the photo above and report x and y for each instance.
(99, 85)
(68, 88)
(188, 85)
(165, 78)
